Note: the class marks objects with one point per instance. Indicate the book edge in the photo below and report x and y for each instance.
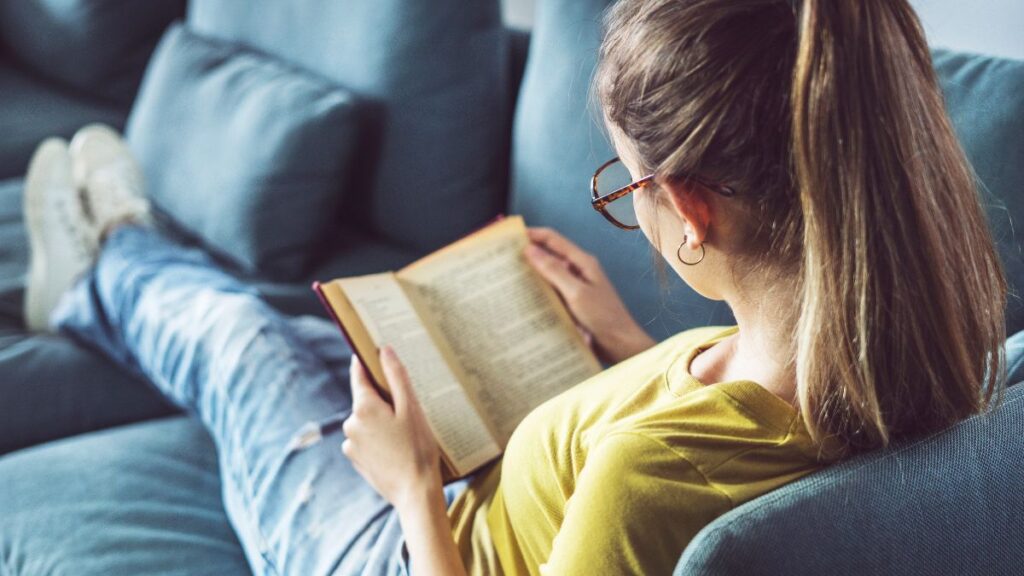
(448, 470)
(381, 389)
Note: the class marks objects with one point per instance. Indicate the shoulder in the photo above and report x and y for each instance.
(628, 458)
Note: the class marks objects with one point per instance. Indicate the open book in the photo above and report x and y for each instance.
(483, 338)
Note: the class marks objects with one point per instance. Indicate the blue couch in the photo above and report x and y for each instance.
(143, 498)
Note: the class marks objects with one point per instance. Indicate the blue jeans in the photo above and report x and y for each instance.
(272, 391)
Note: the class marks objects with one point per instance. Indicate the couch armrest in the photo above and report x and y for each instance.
(947, 504)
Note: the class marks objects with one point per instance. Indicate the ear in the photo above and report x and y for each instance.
(691, 203)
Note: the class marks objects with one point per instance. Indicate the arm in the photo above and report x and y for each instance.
(578, 278)
(428, 533)
(393, 448)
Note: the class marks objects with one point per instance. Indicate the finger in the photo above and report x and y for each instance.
(398, 380)
(362, 390)
(556, 271)
(350, 452)
(562, 246)
(587, 335)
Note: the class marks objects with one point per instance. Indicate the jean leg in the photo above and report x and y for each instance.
(272, 405)
(325, 340)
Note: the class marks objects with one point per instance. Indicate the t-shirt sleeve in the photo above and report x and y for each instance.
(635, 507)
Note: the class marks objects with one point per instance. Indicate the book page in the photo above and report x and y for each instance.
(505, 326)
(390, 319)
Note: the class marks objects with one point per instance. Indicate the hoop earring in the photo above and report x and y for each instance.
(679, 254)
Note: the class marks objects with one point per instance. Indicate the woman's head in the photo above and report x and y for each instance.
(851, 193)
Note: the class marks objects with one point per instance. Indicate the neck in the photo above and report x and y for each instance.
(762, 350)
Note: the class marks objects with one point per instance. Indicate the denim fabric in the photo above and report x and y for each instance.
(272, 392)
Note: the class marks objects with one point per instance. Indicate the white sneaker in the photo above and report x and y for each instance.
(112, 179)
(63, 242)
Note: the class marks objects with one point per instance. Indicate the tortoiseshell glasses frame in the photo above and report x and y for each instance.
(600, 203)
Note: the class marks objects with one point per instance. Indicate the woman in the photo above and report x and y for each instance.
(795, 163)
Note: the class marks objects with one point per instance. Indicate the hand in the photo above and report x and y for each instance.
(595, 305)
(391, 446)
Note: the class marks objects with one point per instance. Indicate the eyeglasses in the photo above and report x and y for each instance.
(612, 181)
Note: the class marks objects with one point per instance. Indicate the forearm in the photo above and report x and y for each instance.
(428, 533)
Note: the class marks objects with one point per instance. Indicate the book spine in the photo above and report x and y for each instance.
(348, 338)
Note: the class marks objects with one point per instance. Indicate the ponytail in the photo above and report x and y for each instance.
(830, 125)
(901, 324)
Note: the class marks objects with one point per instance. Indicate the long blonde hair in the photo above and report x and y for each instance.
(827, 117)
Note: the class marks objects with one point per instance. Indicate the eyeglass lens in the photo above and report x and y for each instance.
(610, 179)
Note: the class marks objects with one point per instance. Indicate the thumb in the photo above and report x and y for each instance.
(398, 380)
(554, 269)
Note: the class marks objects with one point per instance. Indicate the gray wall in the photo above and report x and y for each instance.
(985, 26)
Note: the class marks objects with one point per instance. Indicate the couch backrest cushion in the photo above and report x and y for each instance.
(950, 504)
(98, 46)
(230, 140)
(985, 99)
(557, 143)
(436, 166)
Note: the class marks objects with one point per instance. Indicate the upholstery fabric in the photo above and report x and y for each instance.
(13, 251)
(51, 388)
(939, 506)
(558, 142)
(1015, 359)
(143, 499)
(985, 99)
(96, 46)
(33, 109)
(432, 167)
(231, 140)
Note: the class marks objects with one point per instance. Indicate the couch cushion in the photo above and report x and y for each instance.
(985, 99)
(143, 499)
(351, 253)
(53, 388)
(34, 109)
(13, 251)
(97, 46)
(437, 72)
(231, 140)
(950, 504)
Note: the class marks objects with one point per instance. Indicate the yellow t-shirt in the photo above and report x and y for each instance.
(619, 473)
